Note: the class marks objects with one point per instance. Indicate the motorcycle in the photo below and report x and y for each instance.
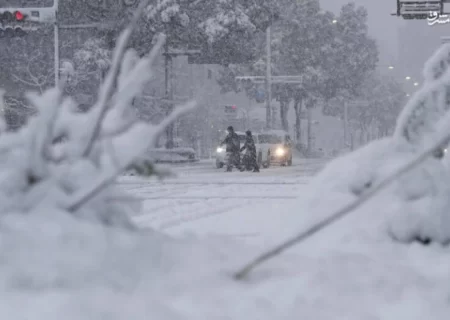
(244, 161)
(248, 162)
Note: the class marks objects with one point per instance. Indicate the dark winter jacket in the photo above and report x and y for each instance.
(249, 145)
(232, 142)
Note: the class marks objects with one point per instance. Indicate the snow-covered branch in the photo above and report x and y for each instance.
(410, 167)
(76, 176)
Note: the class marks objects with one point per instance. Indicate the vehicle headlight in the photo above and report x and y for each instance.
(280, 152)
(220, 150)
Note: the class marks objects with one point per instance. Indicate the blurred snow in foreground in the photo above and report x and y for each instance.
(57, 267)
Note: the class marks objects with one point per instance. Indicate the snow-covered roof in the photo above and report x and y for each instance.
(280, 133)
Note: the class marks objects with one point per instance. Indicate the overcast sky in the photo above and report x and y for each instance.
(382, 25)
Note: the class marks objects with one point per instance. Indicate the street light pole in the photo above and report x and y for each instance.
(168, 85)
(268, 80)
(345, 124)
(56, 43)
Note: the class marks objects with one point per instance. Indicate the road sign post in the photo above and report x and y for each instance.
(270, 117)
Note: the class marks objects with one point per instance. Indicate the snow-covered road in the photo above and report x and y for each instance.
(204, 200)
(352, 270)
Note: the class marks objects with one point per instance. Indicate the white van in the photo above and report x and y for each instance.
(274, 147)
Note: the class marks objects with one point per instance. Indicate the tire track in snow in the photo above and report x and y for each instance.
(190, 217)
(172, 203)
(222, 197)
(221, 183)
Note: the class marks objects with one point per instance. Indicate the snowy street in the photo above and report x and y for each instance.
(204, 200)
(353, 261)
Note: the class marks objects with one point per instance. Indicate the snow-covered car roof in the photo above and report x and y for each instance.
(239, 133)
(280, 133)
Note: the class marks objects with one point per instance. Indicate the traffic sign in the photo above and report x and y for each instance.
(260, 95)
(420, 9)
(230, 112)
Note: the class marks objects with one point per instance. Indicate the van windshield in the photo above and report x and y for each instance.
(270, 138)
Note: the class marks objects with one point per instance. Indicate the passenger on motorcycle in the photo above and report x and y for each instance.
(250, 156)
(233, 146)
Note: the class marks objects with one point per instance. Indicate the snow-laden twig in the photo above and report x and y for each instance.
(370, 193)
(108, 86)
(66, 161)
(92, 190)
(42, 139)
(425, 119)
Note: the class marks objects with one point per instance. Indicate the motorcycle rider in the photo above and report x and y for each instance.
(251, 151)
(233, 146)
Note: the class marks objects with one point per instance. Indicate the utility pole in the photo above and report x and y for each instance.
(168, 85)
(268, 80)
(345, 124)
(56, 43)
(309, 128)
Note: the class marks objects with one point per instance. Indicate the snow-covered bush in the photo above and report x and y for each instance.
(417, 205)
(77, 176)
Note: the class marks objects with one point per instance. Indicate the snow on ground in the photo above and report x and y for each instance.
(352, 270)
(72, 269)
(204, 200)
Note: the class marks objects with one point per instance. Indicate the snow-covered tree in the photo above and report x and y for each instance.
(376, 104)
(355, 53)
(383, 98)
(189, 23)
(307, 44)
(94, 54)
(391, 98)
(293, 53)
(228, 28)
(90, 61)
(76, 177)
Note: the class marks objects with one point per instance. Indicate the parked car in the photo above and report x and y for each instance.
(275, 147)
(175, 155)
